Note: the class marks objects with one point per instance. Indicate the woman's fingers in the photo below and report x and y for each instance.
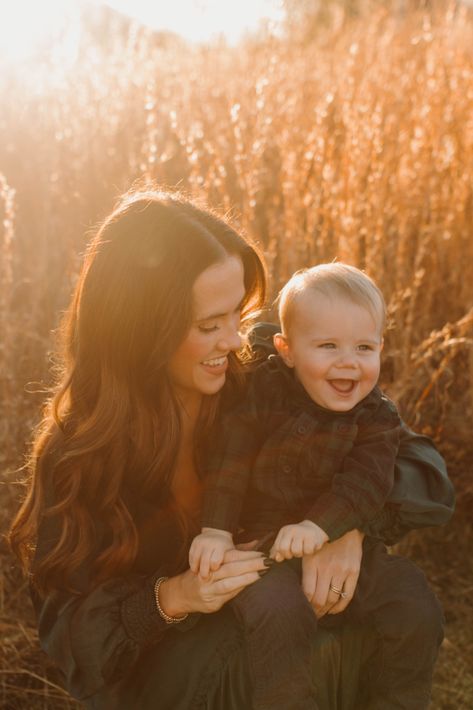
(253, 545)
(309, 577)
(230, 586)
(322, 595)
(320, 598)
(209, 595)
(338, 564)
(219, 588)
(242, 555)
(239, 567)
(348, 589)
(232, 576)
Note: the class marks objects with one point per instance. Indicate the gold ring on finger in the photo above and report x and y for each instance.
(340, 592)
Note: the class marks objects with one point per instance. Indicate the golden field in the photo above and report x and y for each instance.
(356, 145)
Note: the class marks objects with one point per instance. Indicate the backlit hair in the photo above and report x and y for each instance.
(334, 280)
(112, 429)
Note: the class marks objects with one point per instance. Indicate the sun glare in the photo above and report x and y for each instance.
(29, 26)
(201, 20)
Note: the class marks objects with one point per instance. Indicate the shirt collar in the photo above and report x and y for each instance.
(303, 400)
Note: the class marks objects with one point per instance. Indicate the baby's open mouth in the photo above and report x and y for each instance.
(343, 386)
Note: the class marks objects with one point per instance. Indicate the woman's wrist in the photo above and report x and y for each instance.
(169, 599)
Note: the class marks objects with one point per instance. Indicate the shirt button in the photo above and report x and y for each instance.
(343, 428)
(286, 469)
(301, 429)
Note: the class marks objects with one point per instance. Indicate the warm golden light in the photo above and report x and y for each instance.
(28, 27)
(201, 20)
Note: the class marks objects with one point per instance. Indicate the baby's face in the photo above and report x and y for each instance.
(334, 346)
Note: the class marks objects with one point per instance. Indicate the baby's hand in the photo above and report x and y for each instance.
(304, 538)
(208, 549)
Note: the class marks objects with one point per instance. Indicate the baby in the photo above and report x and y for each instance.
(306, 458)
(313, 451)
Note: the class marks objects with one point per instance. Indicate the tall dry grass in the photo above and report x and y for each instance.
(356, 146)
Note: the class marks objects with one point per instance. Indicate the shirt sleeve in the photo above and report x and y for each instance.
(422, 494)
(230, 469)
(359, 490)
(241, 434)
(97, 635)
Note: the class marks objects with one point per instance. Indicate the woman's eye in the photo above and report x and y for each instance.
(327, 346)
(365, 347)
(208, 328)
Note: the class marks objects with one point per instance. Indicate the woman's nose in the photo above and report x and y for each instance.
(230, 340)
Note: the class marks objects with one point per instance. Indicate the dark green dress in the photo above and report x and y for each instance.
(116, 652)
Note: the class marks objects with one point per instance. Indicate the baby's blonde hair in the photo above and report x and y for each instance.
(335, 279)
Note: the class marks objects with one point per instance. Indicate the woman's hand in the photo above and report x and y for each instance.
(336, 564)
(187, 592)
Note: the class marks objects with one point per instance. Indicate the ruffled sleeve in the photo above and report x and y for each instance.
(96, 638)
(96, 635)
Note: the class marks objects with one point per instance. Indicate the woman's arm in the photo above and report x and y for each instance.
(96, 637)
(422, 494)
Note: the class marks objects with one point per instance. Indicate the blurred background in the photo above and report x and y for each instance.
(326, 129)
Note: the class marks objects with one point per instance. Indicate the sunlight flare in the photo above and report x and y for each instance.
(28, 27)
(202, 20)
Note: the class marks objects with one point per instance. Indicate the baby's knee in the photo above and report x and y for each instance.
(277, 604)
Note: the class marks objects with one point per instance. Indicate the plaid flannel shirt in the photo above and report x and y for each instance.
(280, 458)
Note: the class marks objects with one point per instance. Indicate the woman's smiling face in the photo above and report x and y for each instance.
(199, 364)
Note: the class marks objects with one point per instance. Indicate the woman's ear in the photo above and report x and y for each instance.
(281, 344)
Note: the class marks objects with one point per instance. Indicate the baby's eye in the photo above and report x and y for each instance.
(208, 328)
(364, 347)
(327, 346)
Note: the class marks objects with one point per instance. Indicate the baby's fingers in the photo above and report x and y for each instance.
(274, 552)
(216, 559)
(297, 545)
(309, 546)
(194, 557)
(204, 570)
(282, 545)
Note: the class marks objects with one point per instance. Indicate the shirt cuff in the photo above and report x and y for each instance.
(141, 619)
(334, 515)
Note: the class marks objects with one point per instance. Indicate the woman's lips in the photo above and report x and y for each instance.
(215, 366)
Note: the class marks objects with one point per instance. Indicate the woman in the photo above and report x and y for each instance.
(114, 496)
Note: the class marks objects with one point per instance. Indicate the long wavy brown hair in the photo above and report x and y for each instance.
(113, 422)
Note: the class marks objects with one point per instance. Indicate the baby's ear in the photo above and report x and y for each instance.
(281, 344)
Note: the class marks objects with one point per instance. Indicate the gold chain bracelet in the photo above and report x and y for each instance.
(168, 619)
